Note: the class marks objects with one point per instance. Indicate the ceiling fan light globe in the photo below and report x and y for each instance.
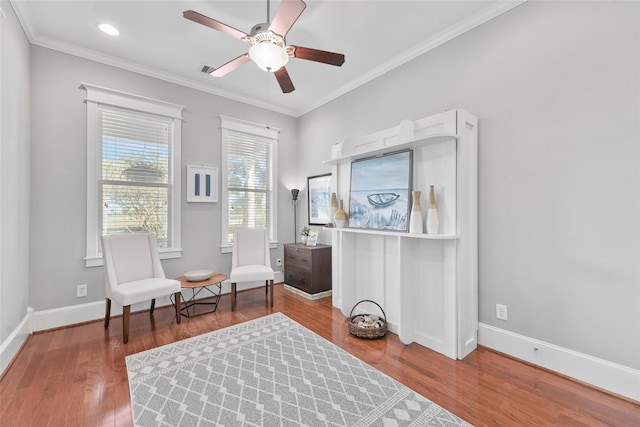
(268, 56)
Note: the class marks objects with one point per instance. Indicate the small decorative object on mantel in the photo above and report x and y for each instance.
(334, 207)
(341, 216)
(304, 233)
(433, 223)
(367, 325)
(415, 222)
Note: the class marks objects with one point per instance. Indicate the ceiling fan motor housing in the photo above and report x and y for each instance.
(260, 33)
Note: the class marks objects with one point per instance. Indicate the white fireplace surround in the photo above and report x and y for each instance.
(427, 284)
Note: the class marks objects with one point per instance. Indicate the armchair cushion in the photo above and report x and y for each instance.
(248, 273)
(144, 290)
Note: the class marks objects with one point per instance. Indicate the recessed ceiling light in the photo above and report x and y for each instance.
(109, 29)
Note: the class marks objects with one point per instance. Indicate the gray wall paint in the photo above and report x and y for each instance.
(14, 172)
(58, 191)
(556, 88)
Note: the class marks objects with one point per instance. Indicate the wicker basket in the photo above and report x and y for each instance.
(366, 332)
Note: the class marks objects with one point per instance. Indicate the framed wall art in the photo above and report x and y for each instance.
(312, 240)
(380, 196)
(202, 184)
(319, 199)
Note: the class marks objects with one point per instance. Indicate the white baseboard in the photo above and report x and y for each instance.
(74, 314)
(600, 373)
(71, 315)
(10, 347)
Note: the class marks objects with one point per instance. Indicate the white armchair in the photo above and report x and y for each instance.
(133, 274)
(250, 260)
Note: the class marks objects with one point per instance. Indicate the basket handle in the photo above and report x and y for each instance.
(368, 300)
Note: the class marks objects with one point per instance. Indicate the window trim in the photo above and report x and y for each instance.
(97, 95)
(232, 125)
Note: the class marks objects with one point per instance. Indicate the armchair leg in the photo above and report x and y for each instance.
(178, 314)
(126, 312)
(233, 297)
(271, 286)
(153, 306)
(107, 314)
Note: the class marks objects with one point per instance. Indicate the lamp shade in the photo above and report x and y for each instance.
(268, 56)
(294, 193)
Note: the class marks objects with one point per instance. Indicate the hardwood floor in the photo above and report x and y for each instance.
(76, 376)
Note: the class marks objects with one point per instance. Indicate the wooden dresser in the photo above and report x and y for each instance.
(307, 268)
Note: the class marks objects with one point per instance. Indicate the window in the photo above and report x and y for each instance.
(133, 169)
(248, 178)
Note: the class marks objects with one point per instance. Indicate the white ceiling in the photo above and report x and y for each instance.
(374, 36)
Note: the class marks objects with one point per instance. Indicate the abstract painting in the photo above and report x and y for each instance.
(202, 184)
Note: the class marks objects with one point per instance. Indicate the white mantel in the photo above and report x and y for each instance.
(427, 284)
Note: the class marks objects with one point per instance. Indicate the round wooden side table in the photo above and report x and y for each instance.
(196, 288)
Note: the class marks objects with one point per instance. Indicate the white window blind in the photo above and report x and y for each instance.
(249, 176)
(135, 170)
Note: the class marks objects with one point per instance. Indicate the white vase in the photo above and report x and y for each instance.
(303, 239)
(341, 216)
(415, 220)
(433, 223)
(334, 208)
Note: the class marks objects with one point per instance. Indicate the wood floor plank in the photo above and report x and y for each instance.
(77, 376)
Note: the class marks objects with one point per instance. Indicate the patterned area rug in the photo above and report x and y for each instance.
(269, 372)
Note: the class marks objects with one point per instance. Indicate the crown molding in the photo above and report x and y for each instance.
(35, 38)
(439, 39)
(153, 72)
(450, 33)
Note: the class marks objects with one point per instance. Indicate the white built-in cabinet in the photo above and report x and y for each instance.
(426, 284)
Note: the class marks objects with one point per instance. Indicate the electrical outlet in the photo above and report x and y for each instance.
(501, 312)
(81, 291)
(279, 262)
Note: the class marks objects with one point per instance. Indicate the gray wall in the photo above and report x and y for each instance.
(58, 166)
(556, 88)
(14, 172)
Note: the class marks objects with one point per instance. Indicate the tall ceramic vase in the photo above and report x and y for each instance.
(415, 220)
(433, 223)
(341, 216)
(334, 208)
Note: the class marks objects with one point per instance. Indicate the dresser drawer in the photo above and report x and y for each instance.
(298, 277)
(297, 257)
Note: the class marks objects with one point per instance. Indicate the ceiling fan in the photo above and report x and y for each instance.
(268, 47)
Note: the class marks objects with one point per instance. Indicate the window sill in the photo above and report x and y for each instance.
(96, 261)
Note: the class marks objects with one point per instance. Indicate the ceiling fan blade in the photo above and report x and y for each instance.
(228, 67)
(212, 23)
(286, 15)
(316, 55)
(284, 80)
